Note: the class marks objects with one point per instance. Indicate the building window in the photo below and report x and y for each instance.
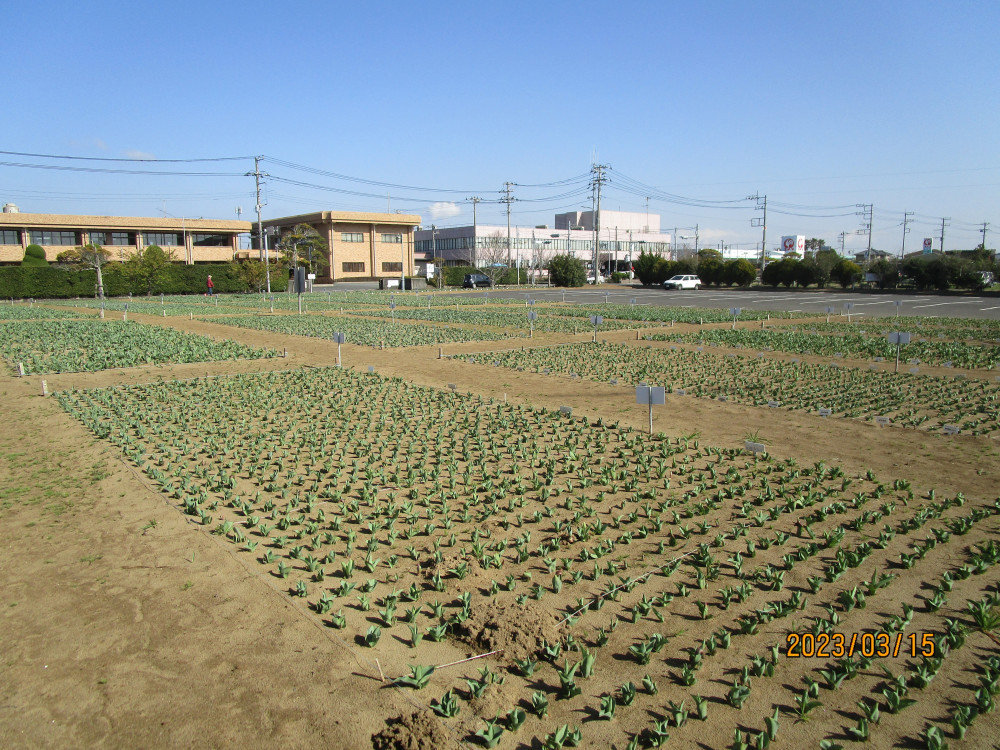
(394, 238)
(122, 239)
(163, 239)
(10, 237)
(45, 237)
(392, 267)
(352, 236)
(210, 240)
(353, 267)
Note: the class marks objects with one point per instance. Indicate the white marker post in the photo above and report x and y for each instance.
(596, 320)
(650, 395)
(532, 317)
(735, 311)
(848, 306)
(339, 338)
(900, 340)
(829, 312)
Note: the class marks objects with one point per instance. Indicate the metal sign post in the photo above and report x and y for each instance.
(829, 312)
(532, 317)
(900, 340)
(596, 320)
(340, 338)
(392, 311)
(735, 311)
(848, 306)
(650, 395)
(899, 304)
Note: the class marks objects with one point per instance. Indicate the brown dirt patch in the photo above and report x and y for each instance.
(419, 730)
(519, 631)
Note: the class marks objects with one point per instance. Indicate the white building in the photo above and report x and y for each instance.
(622, 238)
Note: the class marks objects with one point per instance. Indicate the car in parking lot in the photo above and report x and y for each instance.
(682, 281)
(476, 281)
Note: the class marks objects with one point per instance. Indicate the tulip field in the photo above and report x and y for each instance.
(863, 344)
(507, 573)
(908, 400)
(68, 345)
(636, 587)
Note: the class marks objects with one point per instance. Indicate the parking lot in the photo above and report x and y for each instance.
(811, 302)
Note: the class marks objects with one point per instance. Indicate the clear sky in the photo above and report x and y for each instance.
(819, 106)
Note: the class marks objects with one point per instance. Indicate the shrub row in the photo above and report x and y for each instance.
(41, 282)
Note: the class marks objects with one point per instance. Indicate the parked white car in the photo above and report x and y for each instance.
(682, 281)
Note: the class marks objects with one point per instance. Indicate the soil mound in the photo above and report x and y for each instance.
(519, 631)
(416, 731)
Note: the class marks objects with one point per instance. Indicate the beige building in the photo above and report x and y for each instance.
(190, 240)
(359, 245)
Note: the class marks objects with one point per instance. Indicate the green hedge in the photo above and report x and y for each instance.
(22, 282)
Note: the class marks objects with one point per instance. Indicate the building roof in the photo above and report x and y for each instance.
(70, 221)
(349, 217)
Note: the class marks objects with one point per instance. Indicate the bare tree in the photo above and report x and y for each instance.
(88, 256)
(492, 256)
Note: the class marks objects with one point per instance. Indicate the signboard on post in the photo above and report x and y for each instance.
(596, 320)
(928, 245)
(735, 312)
(900, 339)
(650, 395)
(848, 306)
(339, 338)
(532, 317)
(795, 243)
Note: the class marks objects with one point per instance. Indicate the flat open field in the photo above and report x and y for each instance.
(467, 535)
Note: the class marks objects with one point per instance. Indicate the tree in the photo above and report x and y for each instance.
(845, 272)
(807, 272)
(739, 271)
(814, 245)
(780, 272)
(147, 269)
(34, 255)
(886, 273)
(825, 260)
(567, 270)
(304, 246)
(493, 256)
(89, 256)
(251, 272)
(710, 266)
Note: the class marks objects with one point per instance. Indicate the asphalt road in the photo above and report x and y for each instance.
(812, 302)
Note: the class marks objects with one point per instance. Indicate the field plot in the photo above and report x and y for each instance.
(35, 312)
(365, 332)
(64, 345)
(909, 400)
(657, 314)
(633, 590)
(508, 318)
(869, 343)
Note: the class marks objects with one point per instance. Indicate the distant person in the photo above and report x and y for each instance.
(211, 286)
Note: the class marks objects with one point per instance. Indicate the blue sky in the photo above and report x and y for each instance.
(822, 106)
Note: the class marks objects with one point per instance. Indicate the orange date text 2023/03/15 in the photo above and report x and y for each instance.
(869, 645)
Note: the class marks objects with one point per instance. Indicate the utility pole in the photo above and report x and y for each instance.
(986, 224)
(944, 223)
(906, 231)
(673, 244)
(475, 200)
(508, 199)
(696, 239)
(762, 223)
(596, 183)
(867, 212)
(261, 237)
(842, 236)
